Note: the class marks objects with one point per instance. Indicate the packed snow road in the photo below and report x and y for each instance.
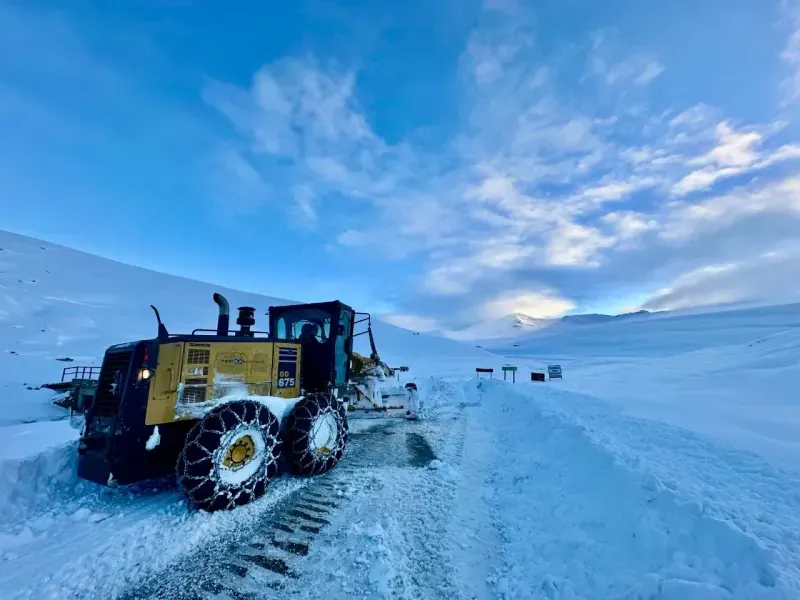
(501, 491)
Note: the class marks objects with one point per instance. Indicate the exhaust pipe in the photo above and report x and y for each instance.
(223, 320)
(245, 321)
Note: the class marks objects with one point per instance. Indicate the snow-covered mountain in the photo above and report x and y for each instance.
(509, 326)
(518, 325)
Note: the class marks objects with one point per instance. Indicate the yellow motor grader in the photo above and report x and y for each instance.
(227, 410)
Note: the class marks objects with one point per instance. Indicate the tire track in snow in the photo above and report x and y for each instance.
(266, 558)
(392, 542)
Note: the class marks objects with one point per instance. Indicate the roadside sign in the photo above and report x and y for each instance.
(537, 376)
(554, 371)
(479, 370)
(510, 369)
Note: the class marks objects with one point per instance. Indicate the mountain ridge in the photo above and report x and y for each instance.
(519, 324)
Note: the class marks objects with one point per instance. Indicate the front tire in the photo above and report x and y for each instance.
(315, 434)
(230, 455)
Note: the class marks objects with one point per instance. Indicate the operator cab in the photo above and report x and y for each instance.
(325, 332)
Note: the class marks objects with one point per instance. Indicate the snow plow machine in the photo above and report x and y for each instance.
(226, 411)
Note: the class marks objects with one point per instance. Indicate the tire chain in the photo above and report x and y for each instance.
(203, 453)
(301, 422)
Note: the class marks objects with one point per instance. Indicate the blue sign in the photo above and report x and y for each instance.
(554, 371)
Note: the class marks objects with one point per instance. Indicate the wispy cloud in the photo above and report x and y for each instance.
(412, 322)
(542, 303)
(539, 181)
(791, 54)
(604, 63)
(762, 280)
(302, 121)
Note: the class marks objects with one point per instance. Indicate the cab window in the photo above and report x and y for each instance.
(281, 328)
(304, 324)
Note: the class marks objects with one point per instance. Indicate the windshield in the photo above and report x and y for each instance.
(304, 324)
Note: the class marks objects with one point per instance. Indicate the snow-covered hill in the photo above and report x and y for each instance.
(510, 326)
(60, 307)
(734, 375)
(514, 326)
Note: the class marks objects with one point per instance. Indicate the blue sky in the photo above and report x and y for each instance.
(442, 163)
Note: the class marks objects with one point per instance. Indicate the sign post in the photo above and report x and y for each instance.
(554, 371)
(513, 370)
(479, 371)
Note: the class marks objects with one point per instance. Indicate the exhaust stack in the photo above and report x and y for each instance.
(223, 320)
(245, 321)
(163, 334)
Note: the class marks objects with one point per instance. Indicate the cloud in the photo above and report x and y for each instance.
(651, 70)
(637, 69)
(539, 303)
(572, 184)
(790, 55)
(305, 117)
(735, 152)
(682, 220)
(735, 149)
(627, 225)
(412, 322)
(302, 123)
(238, 180)
(697, 115)
(305, 214)
(489, 56)
(457, 275)
(758, 281)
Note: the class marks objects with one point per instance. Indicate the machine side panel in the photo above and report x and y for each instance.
(192, 376)
(286, 366)
(240, 368)
(164, 387)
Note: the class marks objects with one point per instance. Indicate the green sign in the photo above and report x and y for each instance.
(509, 368)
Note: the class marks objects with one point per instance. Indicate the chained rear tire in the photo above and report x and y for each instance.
(315, 434)
(230, 455)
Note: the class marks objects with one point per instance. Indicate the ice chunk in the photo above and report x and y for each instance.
(679, 589)
(97, 517)
(9, 541)
(81, 514)
(154, 440)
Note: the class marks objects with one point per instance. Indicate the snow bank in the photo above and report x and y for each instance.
(567, 519)
(94, 546)
(37, 466)
(725, 484)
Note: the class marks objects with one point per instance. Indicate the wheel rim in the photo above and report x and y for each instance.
(322, 439)
(240, 455)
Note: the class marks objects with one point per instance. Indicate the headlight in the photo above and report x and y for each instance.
(145, 374)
